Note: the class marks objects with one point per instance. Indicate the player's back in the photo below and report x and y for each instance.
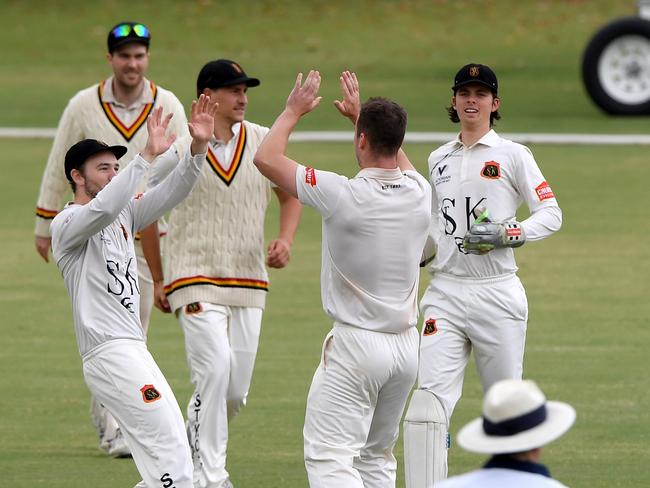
(374, 242)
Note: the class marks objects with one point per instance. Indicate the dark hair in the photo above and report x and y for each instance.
(73, 185)
(453, 115)
(384, 124)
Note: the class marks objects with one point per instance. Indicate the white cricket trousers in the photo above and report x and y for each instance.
(354, 407)
(488, 316)
(123, 376)
(221, 345)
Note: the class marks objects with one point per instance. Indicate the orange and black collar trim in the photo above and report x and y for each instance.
(228, 176)
(130, 131)
(222, 282)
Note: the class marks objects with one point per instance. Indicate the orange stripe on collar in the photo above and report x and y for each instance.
(127, 131)
(228, 176)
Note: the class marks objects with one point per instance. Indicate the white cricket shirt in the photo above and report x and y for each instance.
(374, 229)
(495, 173)
(92, 245)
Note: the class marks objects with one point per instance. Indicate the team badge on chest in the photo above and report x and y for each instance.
(491, 170)
(149, 394)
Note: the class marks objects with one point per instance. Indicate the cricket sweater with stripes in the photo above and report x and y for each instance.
(94, 113)
(215, 243)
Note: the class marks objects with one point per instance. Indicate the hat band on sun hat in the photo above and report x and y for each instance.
(515, 425)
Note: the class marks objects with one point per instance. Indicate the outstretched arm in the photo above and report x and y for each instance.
(350, 107)
(270, 158)
(178, 184)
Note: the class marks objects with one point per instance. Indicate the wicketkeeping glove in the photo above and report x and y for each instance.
(483, 237)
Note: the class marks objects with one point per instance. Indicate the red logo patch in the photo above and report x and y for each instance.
(430, 327)
(138, 196)
(544, 191)
(193, 308)
(514, 232)
(149, 394)
(491, 170)
(310, 176)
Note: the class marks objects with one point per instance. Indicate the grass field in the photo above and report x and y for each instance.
(587, 286)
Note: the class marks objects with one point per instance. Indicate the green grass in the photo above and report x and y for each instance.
(407, 50)
(587, 286)
(586, 342)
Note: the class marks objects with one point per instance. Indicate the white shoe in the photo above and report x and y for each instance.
(117, 446)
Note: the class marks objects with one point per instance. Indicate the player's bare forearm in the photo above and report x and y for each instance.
(279, 251)
(403, 162)
(270, 158)
(43, 245)
(150, 240)
(290, 211)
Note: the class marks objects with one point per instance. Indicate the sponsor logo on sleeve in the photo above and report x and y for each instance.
(491, 170)
(430, 327)
(310, 176)
(544, 191)
(138, 196)
(149, 394)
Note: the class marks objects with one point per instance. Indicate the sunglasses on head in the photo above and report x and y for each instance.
(123, 30)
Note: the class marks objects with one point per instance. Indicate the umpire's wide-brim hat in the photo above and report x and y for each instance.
(516, 418)
(82, 150)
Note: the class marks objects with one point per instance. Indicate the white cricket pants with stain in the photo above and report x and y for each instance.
(488, 316)
(221, 345)
(121, 374)
(354, 407)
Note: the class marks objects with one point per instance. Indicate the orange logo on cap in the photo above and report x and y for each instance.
(237, 68)
(473, 71)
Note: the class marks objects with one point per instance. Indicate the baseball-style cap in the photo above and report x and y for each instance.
(82, 150)
(222, 72)
(127, 32)
(476, 73)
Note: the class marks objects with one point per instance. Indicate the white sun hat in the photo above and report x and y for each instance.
(516, 418)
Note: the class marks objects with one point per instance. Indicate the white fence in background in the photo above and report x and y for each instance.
(413, 137)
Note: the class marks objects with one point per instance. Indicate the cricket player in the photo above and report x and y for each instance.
(374, 231)
(475, 301)
(216, 279)
(93, 246)
(115, 111)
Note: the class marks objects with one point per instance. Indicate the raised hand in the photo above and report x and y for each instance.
(350, 106)
(157, 142)
(304, 97)
(201, 124)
